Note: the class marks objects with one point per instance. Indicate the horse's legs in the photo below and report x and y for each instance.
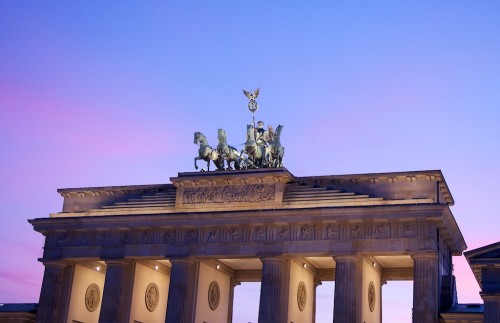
(195, 159)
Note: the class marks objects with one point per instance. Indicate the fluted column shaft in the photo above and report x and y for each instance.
(181, 292)
(491, 307)
(54, 295)
(490, 293)
(425, 288)
(347, 304)
(273, 306)
(117, 294)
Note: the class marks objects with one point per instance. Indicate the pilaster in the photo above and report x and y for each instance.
(425, 287)
(181, 305)
(273, 306)
(118, 286)
(347, 306)
(55, 291)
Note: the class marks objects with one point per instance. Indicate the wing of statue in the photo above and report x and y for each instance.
(256, 93)
(248, 94)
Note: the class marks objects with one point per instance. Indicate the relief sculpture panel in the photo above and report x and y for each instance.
(229, 194)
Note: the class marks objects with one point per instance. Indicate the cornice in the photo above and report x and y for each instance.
(388, 177)
(113, 190)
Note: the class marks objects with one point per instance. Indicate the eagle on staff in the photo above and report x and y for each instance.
(252, 105)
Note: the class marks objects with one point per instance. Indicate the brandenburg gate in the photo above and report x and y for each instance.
(176, 252)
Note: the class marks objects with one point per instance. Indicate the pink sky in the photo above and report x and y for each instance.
(95, 94)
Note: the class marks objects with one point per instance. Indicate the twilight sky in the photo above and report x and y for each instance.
(98, 93)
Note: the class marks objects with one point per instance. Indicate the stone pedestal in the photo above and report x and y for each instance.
(181, 293)
(118, 286)
(425, 288)
(54, 295)
(347, 299)
(273, 306)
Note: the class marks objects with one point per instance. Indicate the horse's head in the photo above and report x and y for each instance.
(278, 130)
(250, 130)
(199, 137)
(221, 135)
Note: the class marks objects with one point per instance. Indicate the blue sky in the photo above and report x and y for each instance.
(109, 93)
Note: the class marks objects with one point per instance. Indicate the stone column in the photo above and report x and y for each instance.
(347, 300)
(181, 304)
(54, 295)
(117, 294)
(490, 293)
(233, 283)
(491, 307)
(273, 306)
(425, 288)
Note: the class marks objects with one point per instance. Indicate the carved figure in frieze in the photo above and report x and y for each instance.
(147, 236)
(169, 236)
(355, 231)
(283, 233)
(331, 233)
(191, 235)
(305, 234)
(408, 229)
(259, 231)
(212, 236)
(379, 231)
(235, 235)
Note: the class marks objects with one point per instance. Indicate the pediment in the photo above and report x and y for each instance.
(489, 252)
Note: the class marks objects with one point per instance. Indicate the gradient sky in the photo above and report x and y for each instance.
(97, 93)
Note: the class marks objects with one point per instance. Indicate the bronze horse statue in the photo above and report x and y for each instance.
(258, 156)
(277, 150)
(207, 153)
(226, 152)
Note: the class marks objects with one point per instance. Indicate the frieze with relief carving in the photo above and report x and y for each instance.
(229, 194)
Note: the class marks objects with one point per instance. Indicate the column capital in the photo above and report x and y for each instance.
(346, 257)
(432, 255)
(55, 264)
(490, 296)
(117, 262)
(181, 261)
(280, 259)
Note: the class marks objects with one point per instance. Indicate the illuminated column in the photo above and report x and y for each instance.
(54, 295)
(425, 287)
(347, 304)
(117, 294)
(181, 292)
(232, 285)
(273, 306)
